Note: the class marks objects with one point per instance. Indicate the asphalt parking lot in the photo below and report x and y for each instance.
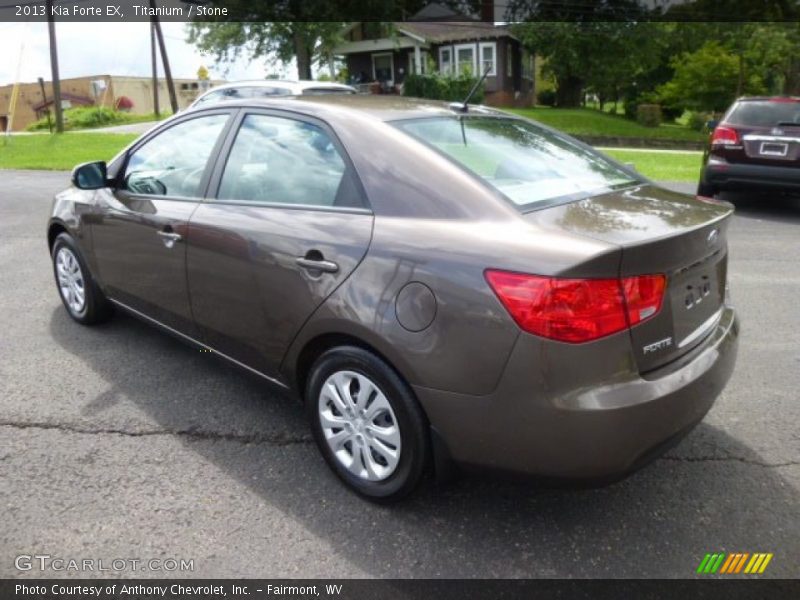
(120, 442)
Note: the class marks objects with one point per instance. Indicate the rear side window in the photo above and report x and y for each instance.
(174, 161)
(764, 113)
(277, 160)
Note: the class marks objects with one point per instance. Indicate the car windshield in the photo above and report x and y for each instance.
(764, 113)
(528, 164)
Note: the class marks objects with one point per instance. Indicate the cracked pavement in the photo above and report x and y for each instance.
(119, 441)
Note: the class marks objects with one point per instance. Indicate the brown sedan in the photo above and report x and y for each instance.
(438, 285)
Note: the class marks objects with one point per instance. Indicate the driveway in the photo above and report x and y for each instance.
(119, 441)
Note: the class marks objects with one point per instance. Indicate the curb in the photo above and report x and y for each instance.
(633, 142)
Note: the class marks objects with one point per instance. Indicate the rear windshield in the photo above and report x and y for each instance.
(764, 113)
(526, 163)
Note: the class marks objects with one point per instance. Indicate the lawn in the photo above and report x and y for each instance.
(59, 152)
(585, 121)
(62, 152)
(662, 165)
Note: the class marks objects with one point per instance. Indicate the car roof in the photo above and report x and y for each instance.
(302, 84)
(383, 107)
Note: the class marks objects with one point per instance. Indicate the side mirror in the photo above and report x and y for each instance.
(90, 176)
(712, 124)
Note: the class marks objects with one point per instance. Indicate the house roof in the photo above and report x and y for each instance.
(437, 32)
(438, 12)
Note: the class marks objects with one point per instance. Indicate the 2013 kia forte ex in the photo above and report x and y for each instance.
(440, 285)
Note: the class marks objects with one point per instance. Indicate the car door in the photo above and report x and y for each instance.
(140, 226)
(286, 225)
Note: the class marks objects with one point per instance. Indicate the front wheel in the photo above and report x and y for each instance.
(367, 423)
(81, 297)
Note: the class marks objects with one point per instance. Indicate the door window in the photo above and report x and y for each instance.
(277, 160)
(172, 163)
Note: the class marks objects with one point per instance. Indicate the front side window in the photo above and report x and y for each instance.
(277, 160)
(173, 162)
(527, 164)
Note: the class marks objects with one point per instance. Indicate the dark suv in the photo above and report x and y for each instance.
(756, 145)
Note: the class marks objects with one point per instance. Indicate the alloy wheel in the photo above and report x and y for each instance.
(71, 282)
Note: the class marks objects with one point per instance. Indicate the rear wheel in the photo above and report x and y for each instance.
(367, 423)
(81, 297)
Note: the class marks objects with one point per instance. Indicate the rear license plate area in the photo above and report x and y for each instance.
(773, 149)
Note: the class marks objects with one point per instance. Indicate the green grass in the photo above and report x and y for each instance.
(59, 152)
(663, 166)
(585, 121)
(62, 152)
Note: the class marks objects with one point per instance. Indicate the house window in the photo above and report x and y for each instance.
(488, 58)
(465, 59)
(383, 67)
(445, 60)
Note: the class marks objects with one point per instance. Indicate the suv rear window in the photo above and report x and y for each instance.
(764, 113)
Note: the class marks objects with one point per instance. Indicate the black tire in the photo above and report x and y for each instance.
(706, 189)
(415, 452)
(96, 308)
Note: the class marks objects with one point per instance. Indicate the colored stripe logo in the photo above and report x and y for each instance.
(734, 563)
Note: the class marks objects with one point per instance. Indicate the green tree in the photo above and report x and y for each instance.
(598, 55)
(706, 79)
(283, 40)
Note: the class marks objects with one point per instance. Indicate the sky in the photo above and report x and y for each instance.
(113, 49)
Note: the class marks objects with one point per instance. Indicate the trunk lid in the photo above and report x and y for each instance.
(659, 231)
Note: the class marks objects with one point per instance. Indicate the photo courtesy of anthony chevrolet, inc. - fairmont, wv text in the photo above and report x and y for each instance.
(399, 299)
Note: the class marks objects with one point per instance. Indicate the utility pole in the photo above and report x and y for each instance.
(51, 26)
(154, 62)
(44, 103)
(167, 71)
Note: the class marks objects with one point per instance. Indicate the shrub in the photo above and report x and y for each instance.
(648, 115)
(442, 87)
(697, 120)
(84, 117)
(546, 97)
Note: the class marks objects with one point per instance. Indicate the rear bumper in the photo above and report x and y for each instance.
(731, 176)
(588, 432)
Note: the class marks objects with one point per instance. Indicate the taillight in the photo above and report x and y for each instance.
(577, 310)
(643, 296)
(724, 136)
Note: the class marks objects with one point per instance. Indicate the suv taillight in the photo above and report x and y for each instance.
(577, 310)
(724, 136)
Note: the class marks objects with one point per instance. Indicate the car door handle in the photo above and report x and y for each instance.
(311, 264)
(169, 237)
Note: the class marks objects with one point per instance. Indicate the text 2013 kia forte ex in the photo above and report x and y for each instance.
(436, 283)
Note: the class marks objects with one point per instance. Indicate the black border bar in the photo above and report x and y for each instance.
(397, 589)
(121, 11)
